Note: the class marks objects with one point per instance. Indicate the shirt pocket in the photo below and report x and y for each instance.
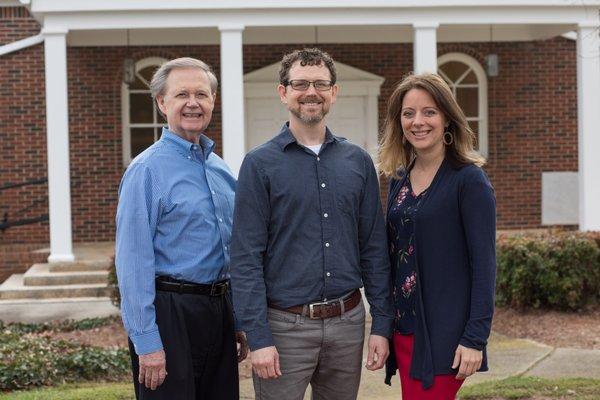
(349, 190)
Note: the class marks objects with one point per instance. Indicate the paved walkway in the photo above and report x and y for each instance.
(507, 357)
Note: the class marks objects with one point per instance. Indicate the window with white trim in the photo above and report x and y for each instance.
(468, 81)
(142, 123)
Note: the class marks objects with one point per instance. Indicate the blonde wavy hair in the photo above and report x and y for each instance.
(396, 153)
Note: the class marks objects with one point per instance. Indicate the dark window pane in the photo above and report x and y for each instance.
(138, 84)
(141, 138)
(468, 100)
(453, 69)
(148, 72)
(140, 108)
(470, 78)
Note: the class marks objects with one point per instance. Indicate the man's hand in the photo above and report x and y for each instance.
(153, 369)
(242, 346)
(265, 362)
(379, 350)
(469, 361)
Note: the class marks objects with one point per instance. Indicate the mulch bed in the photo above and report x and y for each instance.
(558, 329)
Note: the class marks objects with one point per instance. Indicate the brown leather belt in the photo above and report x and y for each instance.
(325, 309)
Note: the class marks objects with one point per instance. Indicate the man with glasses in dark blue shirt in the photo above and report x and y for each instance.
(308, 233)
(172, 249)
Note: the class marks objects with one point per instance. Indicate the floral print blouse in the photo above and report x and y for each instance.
(402, 254)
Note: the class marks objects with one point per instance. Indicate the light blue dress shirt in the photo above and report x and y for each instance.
(174, 218)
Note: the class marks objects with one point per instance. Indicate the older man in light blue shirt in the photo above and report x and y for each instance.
(172, 248)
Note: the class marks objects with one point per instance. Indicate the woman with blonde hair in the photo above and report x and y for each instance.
(441, 221)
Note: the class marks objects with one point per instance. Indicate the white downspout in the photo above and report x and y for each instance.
(21, 44)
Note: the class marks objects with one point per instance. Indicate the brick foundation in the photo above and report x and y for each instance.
(17, 258)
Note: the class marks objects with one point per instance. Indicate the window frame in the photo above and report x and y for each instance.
(125, 107)
(482, 83)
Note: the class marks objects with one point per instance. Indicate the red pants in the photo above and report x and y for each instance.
(444, 387)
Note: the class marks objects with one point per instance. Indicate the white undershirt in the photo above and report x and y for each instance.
(315, 148)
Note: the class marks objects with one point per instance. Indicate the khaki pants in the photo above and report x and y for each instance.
(327, 353)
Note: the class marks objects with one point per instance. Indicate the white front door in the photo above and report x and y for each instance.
(265, 116)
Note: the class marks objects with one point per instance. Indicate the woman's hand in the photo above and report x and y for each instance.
(467, 360)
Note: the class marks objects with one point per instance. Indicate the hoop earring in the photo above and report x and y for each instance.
(448, 138)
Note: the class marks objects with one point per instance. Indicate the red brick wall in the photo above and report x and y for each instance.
(95, 130)
(532, 111)
(22, 129)
(533, 122)
(17, 258)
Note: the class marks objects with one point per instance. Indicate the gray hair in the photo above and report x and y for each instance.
(159, 80)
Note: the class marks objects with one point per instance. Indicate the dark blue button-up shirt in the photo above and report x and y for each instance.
(307, 228)
(174, 218)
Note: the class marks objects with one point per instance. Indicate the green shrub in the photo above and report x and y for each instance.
(559, 271)
(27, 361)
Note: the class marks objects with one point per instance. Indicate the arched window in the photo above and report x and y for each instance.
(142, 123)
(468, 82)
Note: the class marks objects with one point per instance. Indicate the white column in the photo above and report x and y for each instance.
(588, 118)
(425, 47)
(57, 134)
(232, 96)
(372, 122)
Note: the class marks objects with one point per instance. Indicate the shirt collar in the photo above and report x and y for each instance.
(285, 137)
(185, 146)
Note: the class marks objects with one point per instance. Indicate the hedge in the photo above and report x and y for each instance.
(552, 270)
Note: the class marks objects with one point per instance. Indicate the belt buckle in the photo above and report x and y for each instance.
(218, 288)
(311, 308)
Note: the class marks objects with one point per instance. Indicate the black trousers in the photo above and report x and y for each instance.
(198, 337)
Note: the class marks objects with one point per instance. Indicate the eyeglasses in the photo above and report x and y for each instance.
(302, 84)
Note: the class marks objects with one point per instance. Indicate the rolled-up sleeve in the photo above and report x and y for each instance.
(478, 213)
(374, 258)
(137, 217)
(248, 245)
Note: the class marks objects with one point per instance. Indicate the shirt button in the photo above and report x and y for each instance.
(225, 247)
(212, 191)
(326, 215)
(220, 219)
(328, 274)
(323, 185)
(326, 244)
(189, 157)
(318, 158)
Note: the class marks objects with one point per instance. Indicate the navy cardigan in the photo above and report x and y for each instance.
(455, 243)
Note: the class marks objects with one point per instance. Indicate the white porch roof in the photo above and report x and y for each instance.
(326, 20)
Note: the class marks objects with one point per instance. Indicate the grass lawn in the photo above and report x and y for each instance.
(534, 388)
(84, 391)
(507, 389)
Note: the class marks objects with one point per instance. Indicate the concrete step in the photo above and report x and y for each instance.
(40, 275)
(46, 310)
(81, 265)
(13, 288)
